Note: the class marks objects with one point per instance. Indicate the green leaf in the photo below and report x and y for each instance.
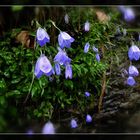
(68, 84)
(2, 100)
(34, 90)
(2, 86)
(15, 81)
(13, 93)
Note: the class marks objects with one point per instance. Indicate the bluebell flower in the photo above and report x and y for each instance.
(43, 66)
(66, 18)
(62, 58)
(68, 71)
(42, 37)
(86, 26)
(73, 123)
(48, 128)
(97, 57)
(57, 69)
(131, 81)
(88, 118)
(128, 13)
(86, 48)
(133, 71)
(65, 40)
(134, 53)
(87, 94)
(95, 49)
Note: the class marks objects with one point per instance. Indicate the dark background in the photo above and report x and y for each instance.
(70, 2)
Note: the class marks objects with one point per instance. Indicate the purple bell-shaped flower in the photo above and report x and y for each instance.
(73, 123)
(131, 81)
(134, 53)
(43, 66)
(57, 69)
(88, 118)
(128, 13)
(87, 94)
(48, 128)
(86, 47)
(133, 71)
(68, 71)
(87, 26)
(65, 40)
(97, 57)
(61, 57)
(42, 37)
(95, 49)
(66, 18)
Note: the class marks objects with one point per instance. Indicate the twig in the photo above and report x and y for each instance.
(102, 92)
(103, 86)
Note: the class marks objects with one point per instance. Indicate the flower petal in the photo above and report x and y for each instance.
(133, 71)
(131, 81)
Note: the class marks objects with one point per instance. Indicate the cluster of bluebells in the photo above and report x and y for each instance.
(133, 54)
(43, 65)
(86, 49)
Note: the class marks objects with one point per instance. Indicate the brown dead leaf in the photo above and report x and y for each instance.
(102, 16)
(25, 39)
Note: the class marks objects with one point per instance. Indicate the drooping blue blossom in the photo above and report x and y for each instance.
(68, 71)
(87, 26)
(73, 123)
(88, 118)
(42, 37)
(86, 48)
(95, 49)
(66, 18)
(97, 57)
(65, 40)
(87, 94)
(131, 81)
(61, 57)
(128, 13)
(48, 128)
(133, 71)
(57, 69)
(134, 53)
(43, 66)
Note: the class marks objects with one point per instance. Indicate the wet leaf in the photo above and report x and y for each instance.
(25, 39)
(102, 16)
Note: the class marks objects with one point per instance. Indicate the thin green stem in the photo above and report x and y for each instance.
(133, 30)
(33, 77)
(53, 23)
(41, 52)
(37, 24)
